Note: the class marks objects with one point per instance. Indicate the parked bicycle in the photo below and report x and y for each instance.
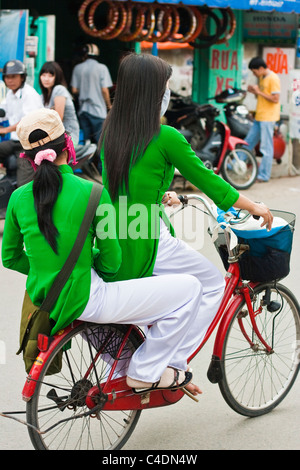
(87, 404)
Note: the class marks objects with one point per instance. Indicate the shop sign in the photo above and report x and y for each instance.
(294, 110)
(281, 60)
(225, 62)
(270, 27)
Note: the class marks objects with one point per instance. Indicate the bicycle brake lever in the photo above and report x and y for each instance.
(183, 199)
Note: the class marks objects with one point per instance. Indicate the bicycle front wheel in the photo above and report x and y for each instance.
(58, 408)
(255, 381)
(240, 168)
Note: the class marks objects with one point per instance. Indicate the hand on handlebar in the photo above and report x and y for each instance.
(256, 209)
(261, 210)
(170, 198)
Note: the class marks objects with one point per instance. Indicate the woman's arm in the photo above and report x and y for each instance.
(13, 254)
(106, 96)
(180, 154)
(255, 208)
(8, 129)
(59, 105)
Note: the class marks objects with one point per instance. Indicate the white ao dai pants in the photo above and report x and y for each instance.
(179, 301)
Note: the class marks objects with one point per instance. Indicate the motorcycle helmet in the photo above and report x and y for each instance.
(90, 50)
(14, 67)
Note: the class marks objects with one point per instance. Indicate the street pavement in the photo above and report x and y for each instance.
(187, 425)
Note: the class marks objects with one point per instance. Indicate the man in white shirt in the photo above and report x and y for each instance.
(21, 98)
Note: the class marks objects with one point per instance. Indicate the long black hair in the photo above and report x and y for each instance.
(134, 117)
(47, 184)
(54, 69)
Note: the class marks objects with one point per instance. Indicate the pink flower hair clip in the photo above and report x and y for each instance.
(47, 154)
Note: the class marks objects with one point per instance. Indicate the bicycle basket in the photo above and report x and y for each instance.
(268, 257)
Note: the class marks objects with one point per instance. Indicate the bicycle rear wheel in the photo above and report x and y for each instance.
(253, 380)
(59, 401)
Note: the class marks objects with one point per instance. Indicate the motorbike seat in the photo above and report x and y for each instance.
(83, 150)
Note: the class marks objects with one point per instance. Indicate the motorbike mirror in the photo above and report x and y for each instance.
(2, 112)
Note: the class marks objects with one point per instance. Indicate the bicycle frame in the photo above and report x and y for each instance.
(117, 393)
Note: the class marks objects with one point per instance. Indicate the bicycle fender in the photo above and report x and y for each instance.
(37, 367)
(234, 141)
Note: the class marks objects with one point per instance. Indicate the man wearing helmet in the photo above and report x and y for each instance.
(21, 98)
(91, 82)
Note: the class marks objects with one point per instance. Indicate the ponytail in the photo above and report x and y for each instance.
(47, 184)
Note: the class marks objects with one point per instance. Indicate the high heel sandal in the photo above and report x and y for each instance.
(175, 385)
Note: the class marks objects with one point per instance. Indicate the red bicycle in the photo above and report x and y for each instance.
(87, 405)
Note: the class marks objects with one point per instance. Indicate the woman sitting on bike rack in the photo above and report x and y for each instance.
(43, 219)
(139, 156)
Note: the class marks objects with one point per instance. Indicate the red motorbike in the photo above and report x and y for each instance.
(213, 141)
(239, 120)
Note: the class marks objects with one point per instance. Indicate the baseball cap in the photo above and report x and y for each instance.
(43, 119)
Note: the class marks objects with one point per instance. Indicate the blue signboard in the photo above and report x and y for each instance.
(285, 6)
(13, 30)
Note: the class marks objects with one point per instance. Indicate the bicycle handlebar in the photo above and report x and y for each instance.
(185, 200)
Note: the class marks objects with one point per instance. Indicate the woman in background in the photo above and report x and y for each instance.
(56, 96)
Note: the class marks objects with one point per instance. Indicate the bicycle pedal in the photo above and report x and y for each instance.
(52, 395)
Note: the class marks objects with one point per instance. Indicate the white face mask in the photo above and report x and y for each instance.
(165, 102)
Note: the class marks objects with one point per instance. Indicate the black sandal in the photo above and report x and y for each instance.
(174, 385)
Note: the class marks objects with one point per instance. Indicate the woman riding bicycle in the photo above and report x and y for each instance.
(42, 222)
(139, 156)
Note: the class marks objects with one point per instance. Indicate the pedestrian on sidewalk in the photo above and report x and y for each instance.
(267, 113)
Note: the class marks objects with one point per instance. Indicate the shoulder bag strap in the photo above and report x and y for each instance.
(68, 267)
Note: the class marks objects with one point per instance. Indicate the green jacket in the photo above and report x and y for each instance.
(139, 212)
(24, 248)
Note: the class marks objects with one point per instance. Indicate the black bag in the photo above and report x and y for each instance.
(268, 257)
(36, 320)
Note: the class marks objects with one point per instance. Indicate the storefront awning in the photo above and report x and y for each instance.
(283, 6)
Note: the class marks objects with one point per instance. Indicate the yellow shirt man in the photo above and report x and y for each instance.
(267, 110)
(267, 113)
